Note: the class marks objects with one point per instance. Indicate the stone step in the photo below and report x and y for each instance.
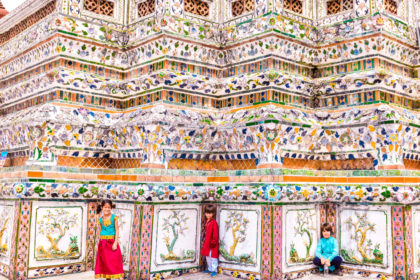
(195, 276)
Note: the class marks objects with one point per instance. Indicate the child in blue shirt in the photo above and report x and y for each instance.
(326, 254)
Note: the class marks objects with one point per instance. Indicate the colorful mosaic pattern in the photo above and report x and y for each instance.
(323, 213)
(408, 236)
(381, 133)
(240, 274)
(56, 270)
(23, 240)
(146, 240)
(266, 242)
(135, 241)
(277, 244)
(173, 273)
(203, 263)
(260, 192)
(398, 242)
(91, 236)
(14, 237)
(331, 211)
(98, 103)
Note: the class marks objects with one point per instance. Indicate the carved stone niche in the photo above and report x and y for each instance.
(145, 8)
(338, 6)
(197, 7)
(391, 6)
(294, 6)
(101, 7)
(240, 7)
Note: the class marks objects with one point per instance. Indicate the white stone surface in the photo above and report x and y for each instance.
(297, 219)
(186, 222)
(125, 212)
(248, 236)
(375, 221)
(40, 216)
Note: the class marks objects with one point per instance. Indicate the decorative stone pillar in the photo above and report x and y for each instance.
(329, 215)
(12, 219)
(266, 241)
(203, 223)
(269, 155)
(387, 159)
(40, 145)
(22, 244)
(408, 237)
(277, 6)
(135, 243)
(146, 242)
(276, 273)
(398, 242)
(153, 139)
(389, 141)
(91, 237)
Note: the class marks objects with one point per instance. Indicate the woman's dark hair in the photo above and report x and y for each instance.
(326, 227)
(102, 203)
(210, 208)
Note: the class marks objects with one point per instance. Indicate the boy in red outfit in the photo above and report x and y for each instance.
(211, 240)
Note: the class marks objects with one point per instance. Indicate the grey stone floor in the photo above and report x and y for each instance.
(195, 276)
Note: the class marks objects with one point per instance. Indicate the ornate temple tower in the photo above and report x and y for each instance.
(285, 113)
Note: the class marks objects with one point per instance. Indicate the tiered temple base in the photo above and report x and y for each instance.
(267, 230)
(286, 114)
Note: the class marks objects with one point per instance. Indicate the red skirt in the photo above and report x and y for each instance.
(108, 262)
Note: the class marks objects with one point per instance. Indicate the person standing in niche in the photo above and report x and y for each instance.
(326, 254)
(211, 240)
(109, 264)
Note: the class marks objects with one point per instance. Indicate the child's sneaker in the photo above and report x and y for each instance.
(207, 271)
(213, 274)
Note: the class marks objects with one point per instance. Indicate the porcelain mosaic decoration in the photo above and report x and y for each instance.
(7, 214)
(286, 114)
(301, 234)
(125, 214)
(59, 234)
(239, 237)
(416, 241)
(364, 237)
(176, 240)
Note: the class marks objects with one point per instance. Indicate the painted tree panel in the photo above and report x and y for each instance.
(302, 239)
(239, 230)
(6, 229)
(176, 237)
(300, 236)
(365, 238)
(58, 233)
(125, 215)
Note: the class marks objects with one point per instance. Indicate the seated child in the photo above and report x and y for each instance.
(326, 254)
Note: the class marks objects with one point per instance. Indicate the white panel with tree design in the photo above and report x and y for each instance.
(125, 220)
(240, 237)
(300, 233)
(365, 237)
(176, 237)
(58, 233)
(6, 228)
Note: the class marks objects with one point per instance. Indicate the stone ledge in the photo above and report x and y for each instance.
(194, 276)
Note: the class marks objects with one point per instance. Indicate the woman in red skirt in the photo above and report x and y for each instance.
(109, 263)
